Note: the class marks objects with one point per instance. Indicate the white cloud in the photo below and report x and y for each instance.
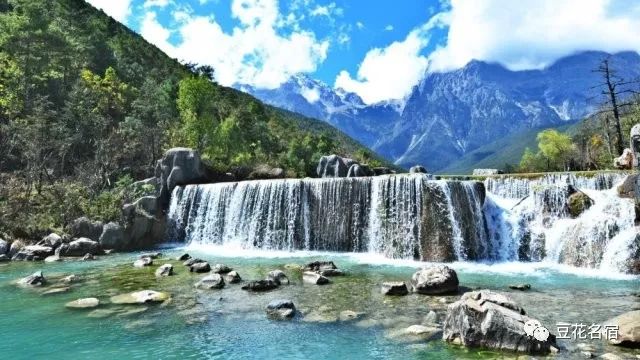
(310, 94)
(158, 3)
(391, 72)
(117, 9)
(327, 10)
(530, 34)
(388, 28)
(359, 25)
(253, 53)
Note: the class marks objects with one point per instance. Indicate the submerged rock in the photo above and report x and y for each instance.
(281, 310)
(521, 287)
(314, 278)
(628, 325)
(422, 330)
(278, 276)
(200, 267)
(435, 280)
(397, 288)
(492, 320)
(35, 279)
(183, 257)
(211, 281)
(349, 315)
(232, 277)
(58, 290)
(164, 270)
(140, 297)
(220, 269)
(70, 279)
(88, 257)
(85, 303)
(260, 285)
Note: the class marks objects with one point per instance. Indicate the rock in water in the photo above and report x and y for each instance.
(88, 257)
(33, 253)
(324, 268)
(164, 270)
(492, 320)
(52, 240)
(15, 247)
(628, 325)
(4, 258)
(190, 261)
(281, 309)
(85, 303)
(113, 237)
(279, 277)
(200, 267)
(52, 258)
(183, 257)
(140, 297)
(232, 277)
(4, 247)
(211, 281)
(221, 269)
(521, 287)
(417, 169)
(397, 288)
(577, 203)
(260, 285)
(435, 280)
(35, 279)
(82, 246)
(153, 255)
(314, 278)
(142, 262)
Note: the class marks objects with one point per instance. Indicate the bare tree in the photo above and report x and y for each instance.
(613, 88)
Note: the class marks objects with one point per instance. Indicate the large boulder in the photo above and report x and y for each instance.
(435, 280)
(324, 268)
(144, 223)
(164, 270)
(357, 170)
(52, 240)
(15, 247)
(491, 320)
(624, 161)
(33, 253)
(200, 267)
(211, 281)
(81, 247)
(266, 172)
(394, 288)
(628, 328)
(4, 247)
(85, 228)
(628, 187)
(278, 276)
(113, 237)
(281, 309)
(418, 169)
(577, 203)
(332, 166)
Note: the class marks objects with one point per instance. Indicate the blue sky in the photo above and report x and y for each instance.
(378, 49)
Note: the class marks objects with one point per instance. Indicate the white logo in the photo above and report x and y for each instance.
(533, 328)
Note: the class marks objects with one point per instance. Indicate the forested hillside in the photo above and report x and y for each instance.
(87, 106)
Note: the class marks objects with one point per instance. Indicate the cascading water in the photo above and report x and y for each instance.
(410, 216)
(401, 216)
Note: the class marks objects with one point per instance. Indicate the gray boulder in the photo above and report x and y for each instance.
(260, 285)
(200, 267)
(4, 247)
(143, 262)
(81, 247)
(628, 325)
(417, 169)
(33, 253)
(164, 270)
(4, 258)
(332, 166)
(211, 281)
(221, 269)
(232, 277)
(278, 276)
(325, 268)
(85, 228)
(190, 261)
(183, 257)
(313, 278)
(484, 319)
(624, 161)
(266, 172)
(15, 247)
(113, 237)
(35, 279)
(52, 240)
(395, 288)
(628, 187)
(357, 170)
(435, 280)
(281, 310)
(144, 223)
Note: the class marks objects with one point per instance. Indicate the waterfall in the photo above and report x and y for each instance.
(411, 216)
(529, 218)
(399, 216)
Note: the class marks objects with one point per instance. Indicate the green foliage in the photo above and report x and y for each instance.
(556, 148)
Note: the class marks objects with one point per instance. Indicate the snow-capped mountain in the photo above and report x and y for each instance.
(452, 113)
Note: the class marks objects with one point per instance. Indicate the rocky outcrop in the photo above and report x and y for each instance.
(266, 172)
(332, 166)
(85, 228)
(357, 170)
(324, 268)
(281, 309)
(491, 320)
(80, 247)
(15, 247)
(628, 328)
(417, 169)
(624, 161)
(52, 240)
(143, 262)
(4, 247)
(33, 253)
(113, 237)
(395, 288)
(435, 280)
(144, 223)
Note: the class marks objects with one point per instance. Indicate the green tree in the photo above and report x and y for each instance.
(196, 104)
(556, 148)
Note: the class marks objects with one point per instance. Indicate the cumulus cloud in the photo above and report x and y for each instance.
(530, 34)
(117, 9)
(391, 72)
(254, 52)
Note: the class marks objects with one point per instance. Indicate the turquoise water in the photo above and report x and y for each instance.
(231, 324)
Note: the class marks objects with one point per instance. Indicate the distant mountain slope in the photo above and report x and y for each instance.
(450, 115)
